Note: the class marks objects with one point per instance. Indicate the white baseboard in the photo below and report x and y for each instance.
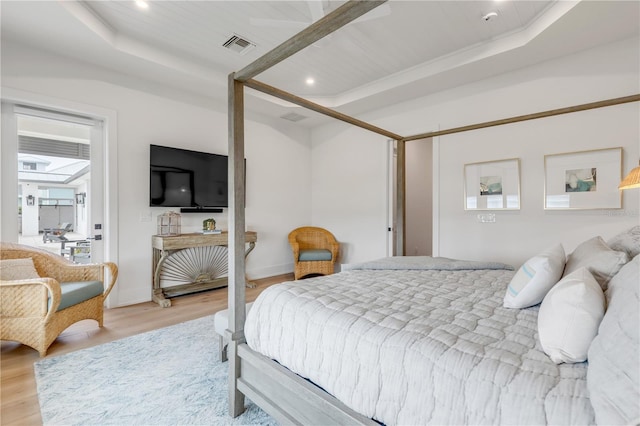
(129, 298)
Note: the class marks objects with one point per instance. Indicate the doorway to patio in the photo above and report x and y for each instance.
(54, 177)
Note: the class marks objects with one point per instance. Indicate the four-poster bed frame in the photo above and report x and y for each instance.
(281, 393)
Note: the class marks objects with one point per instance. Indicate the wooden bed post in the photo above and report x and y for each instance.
(400, 197)
(235, 333)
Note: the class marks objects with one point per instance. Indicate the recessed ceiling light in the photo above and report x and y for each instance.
(310, 81)
(142, 4)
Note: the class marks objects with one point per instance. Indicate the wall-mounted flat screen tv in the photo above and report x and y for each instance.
(184, 178)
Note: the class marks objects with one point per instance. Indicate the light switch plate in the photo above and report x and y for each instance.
(487, 217)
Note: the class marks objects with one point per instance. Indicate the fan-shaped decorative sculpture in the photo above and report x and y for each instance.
(194, 265)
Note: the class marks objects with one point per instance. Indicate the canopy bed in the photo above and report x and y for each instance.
(502, 342)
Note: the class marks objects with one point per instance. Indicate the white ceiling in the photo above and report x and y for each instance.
(400, 50)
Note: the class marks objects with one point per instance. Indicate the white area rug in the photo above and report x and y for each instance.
(170, 376)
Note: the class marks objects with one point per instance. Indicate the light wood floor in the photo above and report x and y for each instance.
(18, 395)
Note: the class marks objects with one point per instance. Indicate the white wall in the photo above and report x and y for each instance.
(82, 211)
(516, 234)
(357, 179)
(349, 190)
(418, 205)
(278, 164)
(30, 213)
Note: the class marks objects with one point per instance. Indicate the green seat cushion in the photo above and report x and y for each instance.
(310, 255)
(78, 291)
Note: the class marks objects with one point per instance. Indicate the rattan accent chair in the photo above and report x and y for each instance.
(315, 251)
(29, 308)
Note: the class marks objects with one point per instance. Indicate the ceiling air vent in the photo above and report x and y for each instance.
(292, 116)
(238, 44)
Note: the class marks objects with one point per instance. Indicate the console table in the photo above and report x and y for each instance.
(200, 261)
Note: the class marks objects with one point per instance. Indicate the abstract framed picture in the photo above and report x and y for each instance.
(583, 180)
(492, 185)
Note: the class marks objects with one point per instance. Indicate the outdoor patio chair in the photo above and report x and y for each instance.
(81, 253)
(56, 234)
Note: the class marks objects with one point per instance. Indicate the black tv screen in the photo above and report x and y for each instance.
(184, 178)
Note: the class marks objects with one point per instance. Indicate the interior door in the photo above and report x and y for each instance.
(419, 201)
(95, 199)
(418, 198)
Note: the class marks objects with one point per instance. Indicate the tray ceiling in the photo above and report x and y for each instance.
(425, 45)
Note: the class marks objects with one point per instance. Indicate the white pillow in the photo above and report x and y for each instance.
(17, 269)
(627, 241)
(613, 376)
(595, 255)
(535, 278)
(569, 317)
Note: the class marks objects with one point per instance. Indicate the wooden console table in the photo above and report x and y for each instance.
(198, 259)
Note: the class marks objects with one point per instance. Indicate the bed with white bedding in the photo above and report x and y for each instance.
(422, 341)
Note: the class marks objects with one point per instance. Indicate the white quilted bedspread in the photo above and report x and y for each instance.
(419, 347)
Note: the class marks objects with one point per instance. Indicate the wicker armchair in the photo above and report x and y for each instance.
(315, 251)
(29, 308)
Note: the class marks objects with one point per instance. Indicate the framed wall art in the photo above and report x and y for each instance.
(492, 185)
(583, 180)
